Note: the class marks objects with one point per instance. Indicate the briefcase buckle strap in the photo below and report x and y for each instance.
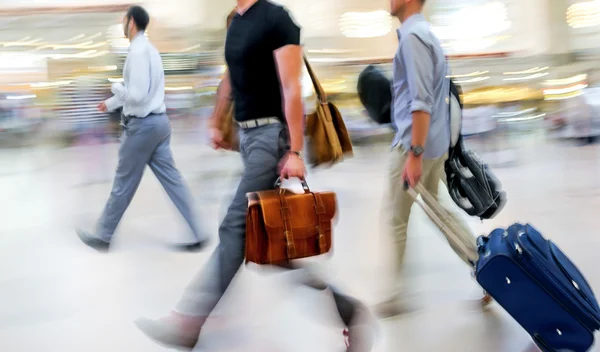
(322, 242)
(291, 246)
(287, 228)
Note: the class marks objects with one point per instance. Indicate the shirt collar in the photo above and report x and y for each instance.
(140, 36)
(409, 23)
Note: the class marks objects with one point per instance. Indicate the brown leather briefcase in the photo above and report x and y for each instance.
(282, 225)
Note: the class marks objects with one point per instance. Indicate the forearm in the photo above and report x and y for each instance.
(420, 128)
(223, 103)
(113, 103)
(294, 114)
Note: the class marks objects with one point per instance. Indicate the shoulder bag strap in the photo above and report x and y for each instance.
(321, 96)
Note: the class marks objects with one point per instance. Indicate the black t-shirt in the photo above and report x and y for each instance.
(251, 40)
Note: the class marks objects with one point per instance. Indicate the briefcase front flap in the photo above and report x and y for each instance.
(307, 214)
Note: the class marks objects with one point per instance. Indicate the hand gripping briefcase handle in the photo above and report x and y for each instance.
(279, 181)
(287, 222)
(437, 213)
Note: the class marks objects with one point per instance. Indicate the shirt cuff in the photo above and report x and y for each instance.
(118, 89)
(113, 104)
(420, 105)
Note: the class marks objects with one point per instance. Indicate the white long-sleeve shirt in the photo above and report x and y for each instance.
(143, 89)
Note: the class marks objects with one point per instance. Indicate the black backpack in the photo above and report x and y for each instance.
(375, 94)
(472, 185)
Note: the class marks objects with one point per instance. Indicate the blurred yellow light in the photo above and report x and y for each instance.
(559, 91)
(179, 88)
(472, 80)
(565, 96)
(527, 78)
(102, 68)
(584, 14)
(531, 70)
(472, 74)
(49, 84)
(565, 81)
(501, 94)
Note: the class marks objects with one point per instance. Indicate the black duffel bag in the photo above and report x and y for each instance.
(375, 94)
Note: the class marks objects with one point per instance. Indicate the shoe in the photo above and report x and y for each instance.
(92, 241)
(361, 334)
(192, 247)
(175, 331)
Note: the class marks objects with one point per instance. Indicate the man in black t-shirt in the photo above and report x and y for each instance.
(264, 60)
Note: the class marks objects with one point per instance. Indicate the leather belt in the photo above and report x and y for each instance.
(126, 118)
(258, 122)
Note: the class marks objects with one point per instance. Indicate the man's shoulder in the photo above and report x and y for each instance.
(421, 30)
(142, 48)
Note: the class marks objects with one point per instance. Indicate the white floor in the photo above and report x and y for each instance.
(58, 295)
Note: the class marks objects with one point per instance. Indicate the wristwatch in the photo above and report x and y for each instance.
(299, 154)
(417, 150)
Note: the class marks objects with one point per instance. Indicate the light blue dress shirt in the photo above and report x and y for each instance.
(420, 84)
(143, 89)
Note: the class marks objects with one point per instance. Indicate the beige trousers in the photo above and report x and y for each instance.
(399, 205)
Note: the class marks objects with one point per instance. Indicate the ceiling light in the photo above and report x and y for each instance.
(515, 113)
(526, 78)
(20, 97)
(566, 96)
(472, 74)
(565, 90)
(566, 81)
(531, 70)
(178, 88)
(472, 80)
(521, 119)
(584, 14)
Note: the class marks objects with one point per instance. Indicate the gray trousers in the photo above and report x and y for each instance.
(145, 142)
(261, 149)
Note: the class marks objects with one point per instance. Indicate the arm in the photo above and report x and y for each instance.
(113, 103)
(418, 61)
(223, 102)
(289, 65)
(288, 56)
(139, 79)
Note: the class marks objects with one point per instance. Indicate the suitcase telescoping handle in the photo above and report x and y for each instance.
(437, 213)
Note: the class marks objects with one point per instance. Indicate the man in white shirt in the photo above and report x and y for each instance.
(146, 138)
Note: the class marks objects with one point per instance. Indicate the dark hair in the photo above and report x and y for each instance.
(139, 16)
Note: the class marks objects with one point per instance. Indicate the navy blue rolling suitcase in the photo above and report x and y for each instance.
(532, 279)
(537, 284)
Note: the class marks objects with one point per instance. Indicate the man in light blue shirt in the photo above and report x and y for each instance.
(146, 138)
(420, 112)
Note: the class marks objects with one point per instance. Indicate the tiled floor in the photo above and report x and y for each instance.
(57, 295)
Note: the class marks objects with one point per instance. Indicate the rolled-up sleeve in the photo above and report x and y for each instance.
(418, 61)
(138, 85)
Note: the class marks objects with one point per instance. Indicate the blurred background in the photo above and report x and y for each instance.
(525, 67)
(530, 74)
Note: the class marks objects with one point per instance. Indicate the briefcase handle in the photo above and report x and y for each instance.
(277, 184)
